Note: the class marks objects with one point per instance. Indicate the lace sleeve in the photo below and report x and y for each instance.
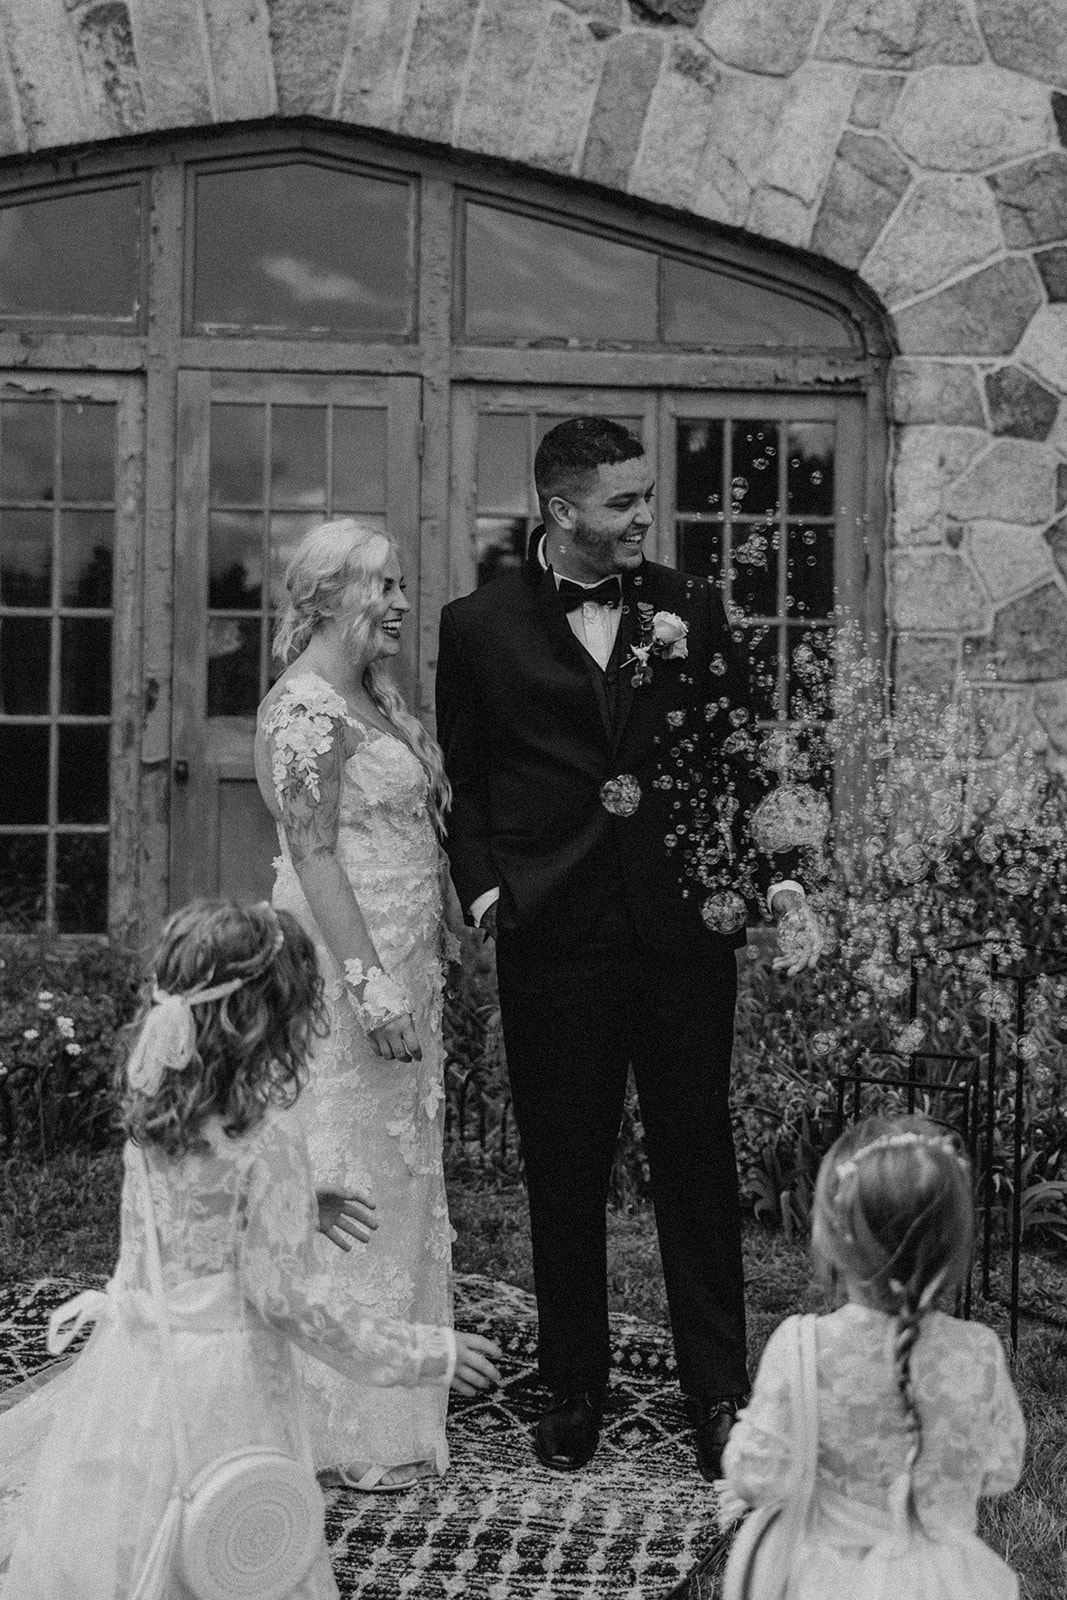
(305, 729)
(1007, 1432)
(282, 1278)
(756, 1461)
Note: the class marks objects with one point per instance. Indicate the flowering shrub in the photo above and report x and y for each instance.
(61, 1018)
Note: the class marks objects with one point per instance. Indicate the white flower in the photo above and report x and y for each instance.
(44, 1000)
(65, 1027)
(669, 632)
(31, 1034)
(73, 1049)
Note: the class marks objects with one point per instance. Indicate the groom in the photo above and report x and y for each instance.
(594, 717)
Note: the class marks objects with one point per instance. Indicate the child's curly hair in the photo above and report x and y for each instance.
(252, 1045)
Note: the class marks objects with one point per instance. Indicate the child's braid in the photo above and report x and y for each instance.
(908, 1320)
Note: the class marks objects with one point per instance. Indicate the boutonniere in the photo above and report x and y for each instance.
(659, 633)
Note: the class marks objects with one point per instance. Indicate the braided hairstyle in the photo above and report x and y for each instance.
(893, 1216)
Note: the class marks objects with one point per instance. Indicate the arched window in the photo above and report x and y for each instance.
(206, 346)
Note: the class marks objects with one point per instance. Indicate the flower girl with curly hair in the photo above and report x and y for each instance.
(217, 1282)
(916, 1414)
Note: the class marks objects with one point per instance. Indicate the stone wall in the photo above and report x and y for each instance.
(918, 142)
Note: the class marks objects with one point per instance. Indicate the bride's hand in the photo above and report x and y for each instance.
(345, 1215)
(396, 1040)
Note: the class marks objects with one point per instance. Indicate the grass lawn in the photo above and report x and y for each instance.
(62, 1219)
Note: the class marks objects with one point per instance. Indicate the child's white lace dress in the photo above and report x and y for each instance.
(87, 1465)
(973, 1437)
(372, 1124)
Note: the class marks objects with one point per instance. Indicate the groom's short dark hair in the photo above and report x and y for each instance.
(574, 449)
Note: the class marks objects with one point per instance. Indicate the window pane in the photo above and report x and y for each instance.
(236, 472)
(27, 450)
(298, 456)
(754, 484)
(235, 560)
(503, 464)
(760, 648)
(809, 669)
(700, 549)
(809, 574)
(699, 464)
(706, 306)
(810, 449)
(24, 764)
(77, 255)
(25, 558)
(358, 458)
(25, 666)
(85, 666)
(81, 882)
(754, 569)
(87, 540)
(499, 544)
(88, 464)
(526, 278)
(232, 667)
(303, 248)
(84, 754)
(23, 869)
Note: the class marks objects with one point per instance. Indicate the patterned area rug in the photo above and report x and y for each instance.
(636, 1524)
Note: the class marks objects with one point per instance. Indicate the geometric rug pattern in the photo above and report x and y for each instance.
(635, 1524)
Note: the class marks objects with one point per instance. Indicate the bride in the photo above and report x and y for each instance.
(358, 791)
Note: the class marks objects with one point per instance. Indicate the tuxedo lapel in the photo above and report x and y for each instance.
(629, 624)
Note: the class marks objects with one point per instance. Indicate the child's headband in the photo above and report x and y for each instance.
(167, 1040)
(909, 1139)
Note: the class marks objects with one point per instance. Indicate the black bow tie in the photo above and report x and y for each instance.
(606, 593)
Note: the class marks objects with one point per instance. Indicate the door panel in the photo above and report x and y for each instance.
(261, 459)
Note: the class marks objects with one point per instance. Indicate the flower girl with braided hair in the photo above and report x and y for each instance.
(217, 1281)
(916, 1412)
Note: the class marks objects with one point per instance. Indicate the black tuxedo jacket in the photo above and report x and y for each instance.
(532, 729)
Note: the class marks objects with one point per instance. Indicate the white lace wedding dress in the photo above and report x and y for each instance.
(373, 1124)
(973, 1438)
(244, 1286)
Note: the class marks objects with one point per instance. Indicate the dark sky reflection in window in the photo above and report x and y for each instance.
(531, 279)
(303, 248)
(699, 465)
(25, 667)
(25, 558)
(358, 459)
(503, 464)
(236, 473)
(298, 456)
(235, 560)
(710, 308)
(754, 467)
(27, 450)
(86, 541)
(75, 256)
(810, 571)
(810, 450)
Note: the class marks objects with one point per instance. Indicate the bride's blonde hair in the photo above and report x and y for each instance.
(339, 571)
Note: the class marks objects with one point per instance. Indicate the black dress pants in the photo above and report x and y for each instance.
(572, 1027)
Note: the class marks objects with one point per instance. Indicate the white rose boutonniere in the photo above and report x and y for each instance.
(668, 636)
(661, 633)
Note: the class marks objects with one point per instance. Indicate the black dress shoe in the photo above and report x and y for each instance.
(712, 1421)
(566, 1436)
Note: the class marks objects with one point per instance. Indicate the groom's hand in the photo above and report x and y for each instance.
(801, 938)
(346, 1216)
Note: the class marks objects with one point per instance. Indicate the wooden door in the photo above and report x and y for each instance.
(262, 458)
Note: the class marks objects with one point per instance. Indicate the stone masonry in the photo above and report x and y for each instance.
(920, 143)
